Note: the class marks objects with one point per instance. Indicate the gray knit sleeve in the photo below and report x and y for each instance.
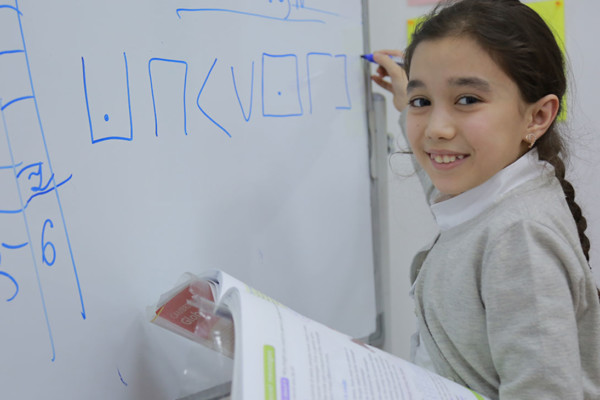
(530, 293)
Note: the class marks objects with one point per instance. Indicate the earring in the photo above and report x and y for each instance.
(530, 138)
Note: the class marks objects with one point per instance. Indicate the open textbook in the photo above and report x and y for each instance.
(279, 354)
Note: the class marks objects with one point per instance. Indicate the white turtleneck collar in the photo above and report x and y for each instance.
(458, 209)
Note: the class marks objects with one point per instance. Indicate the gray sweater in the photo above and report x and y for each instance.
(507, 303)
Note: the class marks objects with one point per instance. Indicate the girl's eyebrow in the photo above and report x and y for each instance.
(414, 84)
(470, 81)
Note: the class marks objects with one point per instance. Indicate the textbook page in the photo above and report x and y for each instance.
(282, 355)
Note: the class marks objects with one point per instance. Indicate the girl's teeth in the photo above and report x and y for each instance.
(446, 159)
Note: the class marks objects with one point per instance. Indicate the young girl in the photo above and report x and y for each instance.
(505, 299)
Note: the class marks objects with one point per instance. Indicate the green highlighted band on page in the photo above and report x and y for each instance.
(477, 396)
(269, 373)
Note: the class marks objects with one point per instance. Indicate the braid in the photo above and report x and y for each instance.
(547, 147)
(557, 162)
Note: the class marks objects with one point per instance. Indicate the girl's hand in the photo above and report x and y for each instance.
(388, 68)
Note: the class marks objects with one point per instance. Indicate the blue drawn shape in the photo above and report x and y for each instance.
(12, 8)
(300, 5)
(6, 274)
(280, 86)
(9, 166)
(14, 281)
(39, 283)
(289, 8)
(11, 211)
(25, 216)
(348, 106)
(35, 266)
(16, 211)
(238, 95)
(200, 107)
(343, 57)
(121, 377)
(48, 244)
(10, 103)
(10, 52)
(40, 189)
(14, 246)
(37, 172)
(87, 105)
(184, 91)
(48, 190)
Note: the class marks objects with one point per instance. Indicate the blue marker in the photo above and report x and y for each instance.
(397, 60)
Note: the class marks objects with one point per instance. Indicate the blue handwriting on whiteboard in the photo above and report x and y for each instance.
(175, 62)
(238, 95)
(33, 180)
(280, 90)
(277, 10)
(106, 117)
(200, 107)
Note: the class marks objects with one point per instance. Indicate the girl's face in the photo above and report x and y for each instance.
(466, 119)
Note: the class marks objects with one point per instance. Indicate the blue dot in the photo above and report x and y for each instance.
(106, 117)
(279, 93)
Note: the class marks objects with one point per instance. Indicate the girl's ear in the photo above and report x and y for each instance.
(542, 113)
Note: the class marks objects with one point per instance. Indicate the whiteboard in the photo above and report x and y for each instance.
(142, 139)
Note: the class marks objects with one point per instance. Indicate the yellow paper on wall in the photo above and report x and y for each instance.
(553, 12)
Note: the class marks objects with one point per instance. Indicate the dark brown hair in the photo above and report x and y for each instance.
(524, 47)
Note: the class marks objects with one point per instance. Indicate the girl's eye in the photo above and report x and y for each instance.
(466, 100)
(419, 102)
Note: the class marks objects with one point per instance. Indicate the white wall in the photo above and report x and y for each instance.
(411, 225)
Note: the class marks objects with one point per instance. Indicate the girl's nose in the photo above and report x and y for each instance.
(440, 125)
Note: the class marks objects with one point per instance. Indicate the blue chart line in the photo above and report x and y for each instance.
(35, 266)
(2, 273)
(42, 192)
(9, 166)
(121, 377)
(14, 246)
(287, 18)
(10, 103)
(11, 211)
(10, 52)
(43, 189)
(349, 106)
(12, 8)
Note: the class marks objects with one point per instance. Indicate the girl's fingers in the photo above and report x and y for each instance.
(382, 83)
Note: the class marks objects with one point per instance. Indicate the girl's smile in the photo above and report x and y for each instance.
(446, 160)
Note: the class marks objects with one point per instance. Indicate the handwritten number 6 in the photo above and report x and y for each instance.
(45, 245)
